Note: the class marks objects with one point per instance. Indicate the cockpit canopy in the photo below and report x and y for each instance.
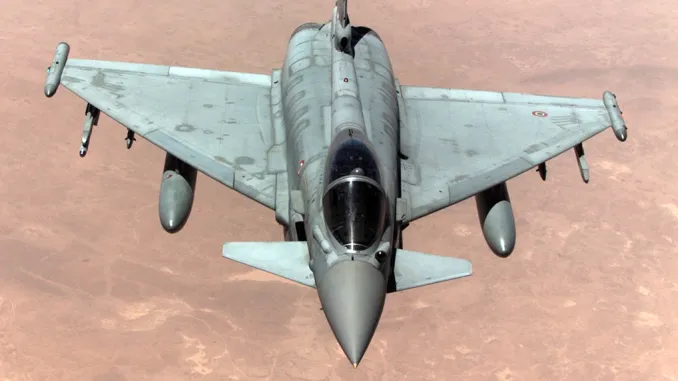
(354, 204)
(351, 155)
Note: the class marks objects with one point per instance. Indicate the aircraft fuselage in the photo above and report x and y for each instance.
(325, 141)
(342, 150)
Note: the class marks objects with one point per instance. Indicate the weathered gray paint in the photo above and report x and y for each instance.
(270, 137)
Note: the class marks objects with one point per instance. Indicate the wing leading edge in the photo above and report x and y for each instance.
(216, 121)
(459, 142)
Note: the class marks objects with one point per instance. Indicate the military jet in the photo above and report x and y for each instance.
(345, 155)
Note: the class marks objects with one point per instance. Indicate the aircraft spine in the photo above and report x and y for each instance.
(346, 106)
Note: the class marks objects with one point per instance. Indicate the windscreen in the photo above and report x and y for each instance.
(355, 212)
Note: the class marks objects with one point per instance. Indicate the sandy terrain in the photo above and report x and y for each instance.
(92, 288)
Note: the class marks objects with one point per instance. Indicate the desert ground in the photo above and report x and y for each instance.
(92, 288)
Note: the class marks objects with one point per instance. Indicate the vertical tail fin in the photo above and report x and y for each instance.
(341, 27)
(342, 12)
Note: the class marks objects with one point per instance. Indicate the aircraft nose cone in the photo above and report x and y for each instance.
(352, 295)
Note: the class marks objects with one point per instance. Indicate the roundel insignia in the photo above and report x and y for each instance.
(540, 114)
(301, 165)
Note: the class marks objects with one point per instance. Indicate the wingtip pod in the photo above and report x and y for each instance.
(56, 69)
(618, 124)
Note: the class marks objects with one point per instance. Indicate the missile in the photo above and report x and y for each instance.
(55, 71)
(618, 124)
(581, 162)
(91, 120)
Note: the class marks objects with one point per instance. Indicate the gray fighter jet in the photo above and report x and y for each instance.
(343, 153)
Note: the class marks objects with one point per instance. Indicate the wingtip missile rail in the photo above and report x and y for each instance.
(56, 69)
(618, 124)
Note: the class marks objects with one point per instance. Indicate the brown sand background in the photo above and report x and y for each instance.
(91, 287)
